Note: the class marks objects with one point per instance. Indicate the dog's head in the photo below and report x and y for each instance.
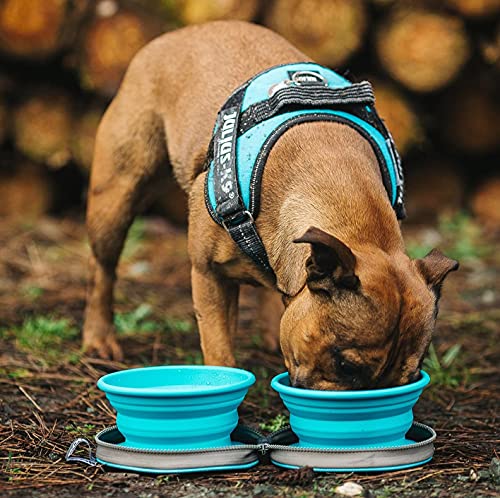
(360, 322)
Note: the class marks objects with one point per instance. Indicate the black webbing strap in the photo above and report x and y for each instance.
(230, 209)
(245, 235)
(372, 118)
(314, 96)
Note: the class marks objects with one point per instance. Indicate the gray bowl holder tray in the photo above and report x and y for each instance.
(249, 447)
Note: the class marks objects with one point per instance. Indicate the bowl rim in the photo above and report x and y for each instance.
(104, 385)
(352, 395)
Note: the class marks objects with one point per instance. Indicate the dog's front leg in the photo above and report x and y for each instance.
(216, 307)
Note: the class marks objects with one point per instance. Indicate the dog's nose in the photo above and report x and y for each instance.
(298, 380)
(414, 377)
(298, 384)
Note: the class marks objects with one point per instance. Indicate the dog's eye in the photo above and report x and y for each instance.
(347, 367)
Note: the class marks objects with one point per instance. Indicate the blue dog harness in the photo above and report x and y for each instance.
(254, 118)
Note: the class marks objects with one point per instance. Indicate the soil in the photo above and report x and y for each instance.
(48, 393)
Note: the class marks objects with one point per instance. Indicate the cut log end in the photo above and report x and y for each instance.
(42, 128)
(485, 203)
(398, 116)
(83, 137)
(39, 29)
(328, 32)
(475, 8)
(490, 50)
(422, 49)
(198, 11)
(109, 45)
(26, 193)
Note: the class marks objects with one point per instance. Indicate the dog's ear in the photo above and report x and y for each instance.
(434, 267)
(331, 262)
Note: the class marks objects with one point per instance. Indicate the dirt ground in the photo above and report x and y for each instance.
(48, 393)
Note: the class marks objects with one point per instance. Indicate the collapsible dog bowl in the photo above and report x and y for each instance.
(350, 419)
(176, 407)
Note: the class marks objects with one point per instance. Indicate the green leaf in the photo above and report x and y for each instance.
(449, 357)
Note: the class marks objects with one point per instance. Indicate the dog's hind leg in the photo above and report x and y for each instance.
(270, 310)
(129, 154)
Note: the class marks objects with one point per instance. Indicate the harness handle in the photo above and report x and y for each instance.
(305, 95)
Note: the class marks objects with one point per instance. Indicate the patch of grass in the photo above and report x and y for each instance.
(447, 370)
(417, 251)
(135, 237)
(44, 336)
(18, 373)
(386, 492)
(465, 236)
(190, 358)
(275, 424)
(139, 320)
(462, 239)
(178, 325)
(80, 430)
(33, 292)
(135, 321)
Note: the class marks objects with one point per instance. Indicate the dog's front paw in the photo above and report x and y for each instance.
(105, 347)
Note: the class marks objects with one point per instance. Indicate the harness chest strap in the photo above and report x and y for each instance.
(257, 114)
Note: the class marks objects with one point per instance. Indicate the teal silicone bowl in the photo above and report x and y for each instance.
(176, 407)
(377, 418)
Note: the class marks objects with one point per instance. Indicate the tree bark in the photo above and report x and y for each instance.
(470, 117)
(4, 121)
(433, 187)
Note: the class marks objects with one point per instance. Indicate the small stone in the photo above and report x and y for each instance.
(139, 268)
(349, 489)
(473, 475)
(107, 8)
(431, 237)
(495, 470)
(488, 297)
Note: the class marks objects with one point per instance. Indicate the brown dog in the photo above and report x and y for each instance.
(358, 312)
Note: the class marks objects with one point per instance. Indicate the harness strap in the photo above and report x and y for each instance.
(305, 96)
(244, 233)
(231, 209)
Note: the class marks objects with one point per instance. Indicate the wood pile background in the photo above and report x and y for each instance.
(435, 66)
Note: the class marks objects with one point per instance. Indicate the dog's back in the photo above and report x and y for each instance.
(208, 59)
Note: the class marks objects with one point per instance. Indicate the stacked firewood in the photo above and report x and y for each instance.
(435, 67)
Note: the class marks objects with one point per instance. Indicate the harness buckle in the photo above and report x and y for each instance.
(238, 217)
(301, 78)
